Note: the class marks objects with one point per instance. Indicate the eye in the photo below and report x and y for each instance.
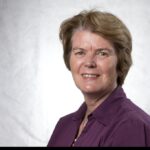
(102, 52)
(79, 52)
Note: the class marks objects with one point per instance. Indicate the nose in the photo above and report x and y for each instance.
(90, 62)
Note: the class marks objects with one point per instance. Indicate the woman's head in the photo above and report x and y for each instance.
(105, 25)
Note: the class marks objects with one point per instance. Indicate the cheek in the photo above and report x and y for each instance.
(72, 63)
(75, 65)
(113, 72)
(110, 68)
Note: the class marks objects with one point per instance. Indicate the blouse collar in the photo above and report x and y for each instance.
(107, 110)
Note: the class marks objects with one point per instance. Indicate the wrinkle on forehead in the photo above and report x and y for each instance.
(86, 39)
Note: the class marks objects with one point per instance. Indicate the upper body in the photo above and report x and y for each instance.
(97, 51)
(117, 122)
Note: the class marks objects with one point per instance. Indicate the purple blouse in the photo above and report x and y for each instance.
(117, 122)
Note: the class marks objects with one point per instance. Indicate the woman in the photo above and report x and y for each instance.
(97, 50)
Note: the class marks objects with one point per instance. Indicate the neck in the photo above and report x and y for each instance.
(94, 100)
(92, 104)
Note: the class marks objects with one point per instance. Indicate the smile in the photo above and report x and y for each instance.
(90, 75)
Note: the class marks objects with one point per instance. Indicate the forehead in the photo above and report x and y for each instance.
(87, 39)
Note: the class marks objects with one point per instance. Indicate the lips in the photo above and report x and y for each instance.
(89, 75)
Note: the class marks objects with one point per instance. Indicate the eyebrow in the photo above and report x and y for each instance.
(78, 48)
(108, 49)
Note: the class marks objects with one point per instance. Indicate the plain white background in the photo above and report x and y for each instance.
(36, 89)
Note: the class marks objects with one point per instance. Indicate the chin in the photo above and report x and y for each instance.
(90, 90)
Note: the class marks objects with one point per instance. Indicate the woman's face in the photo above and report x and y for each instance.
(93, 63)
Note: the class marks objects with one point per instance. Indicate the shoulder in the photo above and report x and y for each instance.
(64, 120)
(76, 115)
(67, 117)
(62, 127)
(133, 112)
(132, 128)
(130, 117)
(126, 108)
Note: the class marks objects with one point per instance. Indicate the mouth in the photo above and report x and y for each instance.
(87, 75)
